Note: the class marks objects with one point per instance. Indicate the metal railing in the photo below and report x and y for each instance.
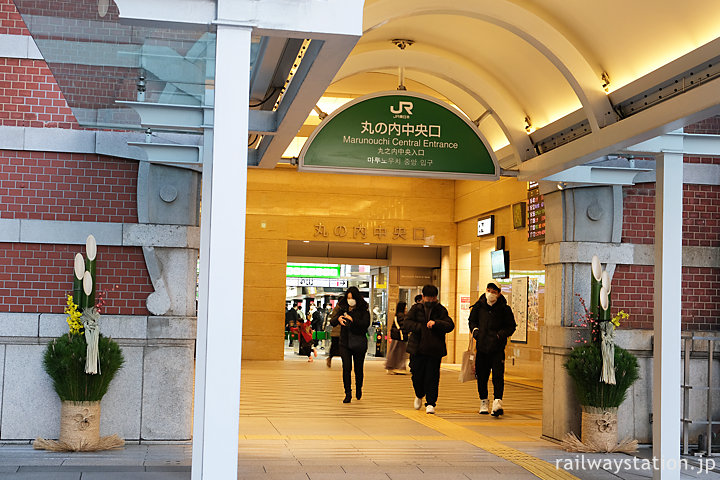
(686, 387)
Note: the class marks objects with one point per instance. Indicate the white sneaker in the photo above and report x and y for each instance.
(497, 409)
(430, 409)
(484, 407)
(417, 403)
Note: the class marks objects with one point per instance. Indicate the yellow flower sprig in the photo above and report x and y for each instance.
(621, 315)
(73, 319)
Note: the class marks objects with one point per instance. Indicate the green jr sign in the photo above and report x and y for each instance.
(399, 133)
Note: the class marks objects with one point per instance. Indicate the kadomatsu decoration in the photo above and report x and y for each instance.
(602, 373)
(81, 364)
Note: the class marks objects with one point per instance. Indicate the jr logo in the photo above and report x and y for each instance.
(407, 106)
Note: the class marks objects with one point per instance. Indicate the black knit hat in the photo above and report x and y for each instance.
(493, 286)
(430, 291)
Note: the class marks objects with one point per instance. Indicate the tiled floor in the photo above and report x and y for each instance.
(294, 426)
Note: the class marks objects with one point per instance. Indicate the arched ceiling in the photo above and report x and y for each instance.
(547, 61)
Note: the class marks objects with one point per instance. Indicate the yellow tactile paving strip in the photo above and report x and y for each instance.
(537, 467)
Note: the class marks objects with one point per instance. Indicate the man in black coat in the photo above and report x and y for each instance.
(316, 323)
(491, 323)
(426, 325)
(291, 318)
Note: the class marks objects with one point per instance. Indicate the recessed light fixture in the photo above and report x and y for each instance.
(366, 243)
(426, 246)
(306, 241)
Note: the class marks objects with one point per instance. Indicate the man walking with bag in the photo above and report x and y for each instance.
(426, 324)
(491, 323)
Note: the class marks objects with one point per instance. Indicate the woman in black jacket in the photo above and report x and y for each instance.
(354, 318)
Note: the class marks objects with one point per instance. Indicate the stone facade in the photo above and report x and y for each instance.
(150, 399)
(583, 222)
(57, 185)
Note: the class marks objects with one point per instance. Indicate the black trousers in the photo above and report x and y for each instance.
(334, 347)
(425, 372)
(484, 363)
(349, 358)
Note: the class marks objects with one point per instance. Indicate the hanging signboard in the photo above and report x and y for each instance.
(402, 134)
(315, 282)
(520, 308)
(535, 212)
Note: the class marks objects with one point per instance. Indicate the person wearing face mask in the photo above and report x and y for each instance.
(491, 323)
(354, 319)
(426, 325)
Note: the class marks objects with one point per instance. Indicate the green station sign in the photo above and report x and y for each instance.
(399, 133)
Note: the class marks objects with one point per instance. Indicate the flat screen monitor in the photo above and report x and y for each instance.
(500, 263)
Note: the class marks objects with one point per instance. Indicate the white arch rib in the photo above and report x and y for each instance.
(471, 79)
(468, 102)
(551, 43)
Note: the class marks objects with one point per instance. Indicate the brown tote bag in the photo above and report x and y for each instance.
(467, 368)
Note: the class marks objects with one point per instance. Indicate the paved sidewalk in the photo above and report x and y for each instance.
(294, 426)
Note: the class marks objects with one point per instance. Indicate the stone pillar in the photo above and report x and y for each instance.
(580, 223)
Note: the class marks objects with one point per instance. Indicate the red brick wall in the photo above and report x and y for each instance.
(89, 86)
(632, 291)
(704, 160)
(701, 206)
(708, 126)
(639, 214)
(87, 9)
(30, 97)
(11, 23)
(67, 187)
(36, 278)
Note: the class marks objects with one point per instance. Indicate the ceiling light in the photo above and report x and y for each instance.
(606, 81)
(306, 241)
(528, 126)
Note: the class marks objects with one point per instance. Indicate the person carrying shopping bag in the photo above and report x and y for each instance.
(492, 322)
(397, 348)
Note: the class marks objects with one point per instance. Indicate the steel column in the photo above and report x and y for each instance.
(217, 381)
(668, 285)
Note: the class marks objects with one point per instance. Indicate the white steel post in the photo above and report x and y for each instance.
(668, 285)
(222, 267)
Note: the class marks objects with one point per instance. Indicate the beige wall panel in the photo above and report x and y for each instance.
(261, 299)
(255, 347)
(289, 180)
(349, 204)
(264, 323)
(265, 275)
(266, 226)
(524, 255)
(264, 250)
(467, 231)
(488, 197)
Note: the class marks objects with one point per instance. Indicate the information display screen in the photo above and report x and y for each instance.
(535, 213)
